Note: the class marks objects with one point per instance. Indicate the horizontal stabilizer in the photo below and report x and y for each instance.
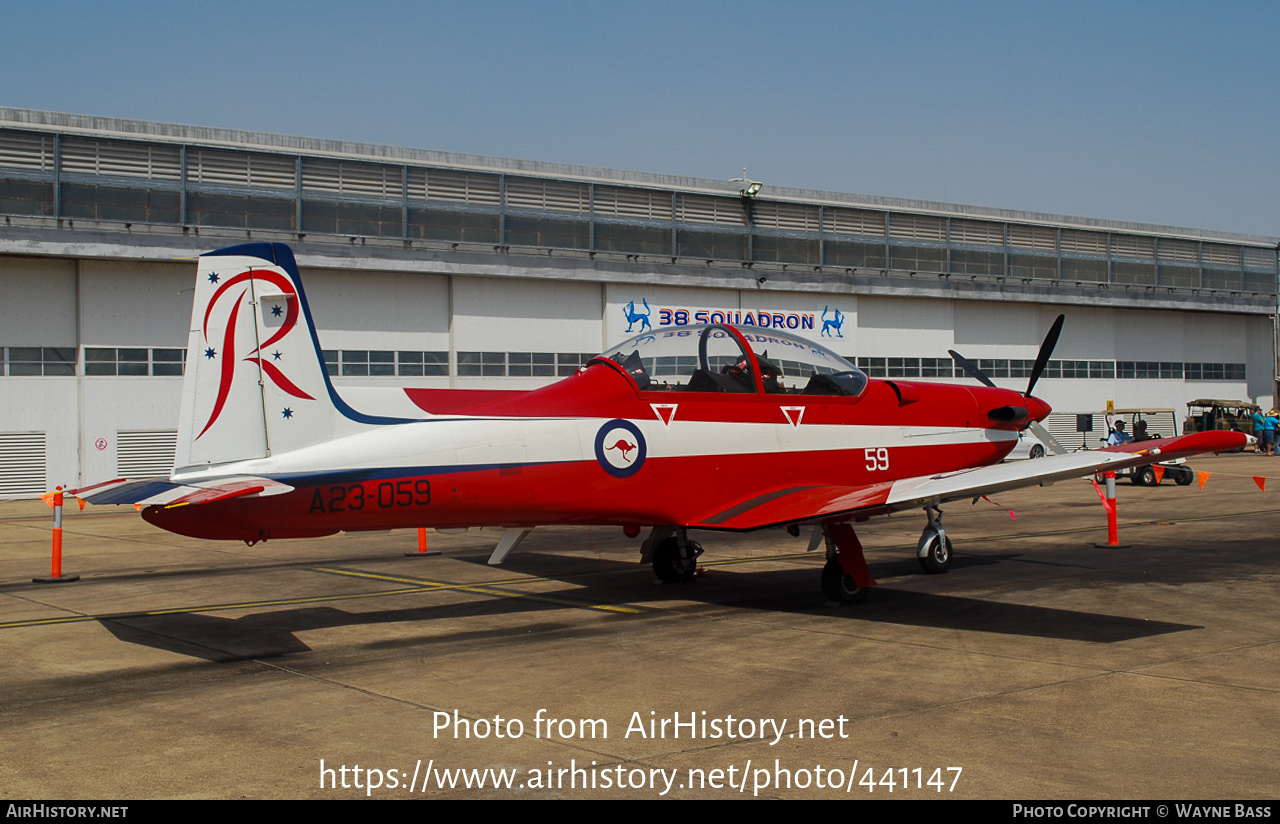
(164, 492)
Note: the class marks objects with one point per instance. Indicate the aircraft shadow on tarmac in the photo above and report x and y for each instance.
(274, 632)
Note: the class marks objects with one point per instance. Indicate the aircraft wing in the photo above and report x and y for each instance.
(802, 504)
(163, 492)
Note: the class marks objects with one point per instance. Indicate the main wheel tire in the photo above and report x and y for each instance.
(1037, 451)
(1185, 476)
(1146, 476)
(937, 559)
(670, 567)
(838, 585)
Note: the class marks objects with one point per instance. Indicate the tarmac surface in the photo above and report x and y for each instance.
(1039, 667)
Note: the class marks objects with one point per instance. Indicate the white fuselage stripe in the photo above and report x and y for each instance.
(491, 441)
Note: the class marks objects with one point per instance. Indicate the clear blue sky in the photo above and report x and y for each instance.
(1160, 112)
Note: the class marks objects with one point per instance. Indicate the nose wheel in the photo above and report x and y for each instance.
(934, 551)
(937, 555)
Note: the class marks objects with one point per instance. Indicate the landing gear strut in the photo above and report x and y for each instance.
(934, 549)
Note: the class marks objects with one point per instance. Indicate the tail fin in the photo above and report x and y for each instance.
(255, 382)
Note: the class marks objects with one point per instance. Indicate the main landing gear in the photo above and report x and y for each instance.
(674, 556)
(934, 551)
(839, 586)
(846, 578)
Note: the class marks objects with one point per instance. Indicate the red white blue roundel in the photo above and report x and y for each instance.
(620, 448)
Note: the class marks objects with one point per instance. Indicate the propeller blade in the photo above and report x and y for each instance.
(1046, 349)
(1054, 446)
(970, 368)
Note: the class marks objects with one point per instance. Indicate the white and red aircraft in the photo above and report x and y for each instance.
(681, 428)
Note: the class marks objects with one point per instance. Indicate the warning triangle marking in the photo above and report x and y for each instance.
(794, 414)
(666, 412)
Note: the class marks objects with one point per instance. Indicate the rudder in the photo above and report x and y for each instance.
(255, 381)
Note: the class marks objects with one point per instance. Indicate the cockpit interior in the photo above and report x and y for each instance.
(715, 358)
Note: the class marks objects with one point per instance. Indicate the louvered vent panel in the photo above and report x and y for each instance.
(1184, 250)
(787, 216)
(1088, 243)
(920, 227)
(368, 179)
(455, 187)
(22, 464)
(977, 232)
(1256, 258)
(1133, 246)
(1063, 429)
(1062, 426)
(121, 159)
(145, 454)
(703, 209)
(342, 177)
(241, 169)
(1033, 237)
(855, 222)
(321, 175)
(611, 200)
(24, 150)
(532, 193)
(1221, 254)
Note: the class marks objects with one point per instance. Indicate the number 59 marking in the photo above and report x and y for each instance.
(877, 459)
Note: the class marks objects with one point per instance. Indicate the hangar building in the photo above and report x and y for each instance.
(439, 269)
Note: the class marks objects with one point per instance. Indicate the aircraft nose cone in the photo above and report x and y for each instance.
(1038, 409)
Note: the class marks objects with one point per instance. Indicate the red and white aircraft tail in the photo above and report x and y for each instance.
(256, 383)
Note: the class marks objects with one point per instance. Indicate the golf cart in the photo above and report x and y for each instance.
(1157, 423)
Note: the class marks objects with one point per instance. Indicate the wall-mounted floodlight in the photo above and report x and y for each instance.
(746, 186)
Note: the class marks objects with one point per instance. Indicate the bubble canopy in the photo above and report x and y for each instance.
(719, 358)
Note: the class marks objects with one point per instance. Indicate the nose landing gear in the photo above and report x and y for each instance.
(934, 550)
